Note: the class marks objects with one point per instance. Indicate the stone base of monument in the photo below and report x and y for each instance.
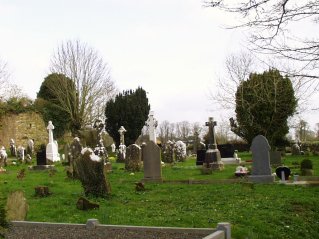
(42, 167)
(152, 180)
(217, 166)
(262, 178)
(231, 160)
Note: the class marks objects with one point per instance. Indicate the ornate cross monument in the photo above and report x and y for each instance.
(151, 123)
(212, 156)
(121, 131)
(52, 153)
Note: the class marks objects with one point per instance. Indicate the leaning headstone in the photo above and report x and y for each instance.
(261, 171)
(151, 155)
(52, 153)
(30, 147)
(17, 206)
(133, 160)
(90, 169)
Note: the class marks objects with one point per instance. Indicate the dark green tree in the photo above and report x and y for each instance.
(129, 109)
(52, 109)
(264, 103)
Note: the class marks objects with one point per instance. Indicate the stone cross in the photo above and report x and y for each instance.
(151, 123)
(50, 128)
(122, 130)
(211, 133)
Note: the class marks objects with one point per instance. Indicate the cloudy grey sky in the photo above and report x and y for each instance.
(174, 49)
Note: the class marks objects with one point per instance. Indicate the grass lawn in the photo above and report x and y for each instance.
(254, 210)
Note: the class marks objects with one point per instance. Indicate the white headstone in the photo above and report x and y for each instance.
(52, 147)
(151, 124)
(122, 130)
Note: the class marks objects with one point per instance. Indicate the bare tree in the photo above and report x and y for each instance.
(183, 130)
(91, 79)
(166, 131)
(8, 89)
(273, 31)
(238, 67)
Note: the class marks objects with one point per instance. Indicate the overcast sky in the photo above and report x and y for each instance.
(174, 49)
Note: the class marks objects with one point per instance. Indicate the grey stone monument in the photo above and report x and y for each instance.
(133, 160)
(261, 171)
(212, 156)
(151, 155)
(122, 148)
(151, 124)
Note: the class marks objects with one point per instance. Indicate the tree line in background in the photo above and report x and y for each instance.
(79, 90)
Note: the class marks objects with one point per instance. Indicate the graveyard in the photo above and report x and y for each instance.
(185, 198)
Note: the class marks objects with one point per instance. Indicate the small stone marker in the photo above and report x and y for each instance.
(85, 204)
(42, 191)
(261, 171)
(17, 207)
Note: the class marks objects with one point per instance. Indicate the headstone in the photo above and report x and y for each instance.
(275, 158)
(13, 149)
(133, 160)
(41, 156)
(295, 149)
(200, 156)
(85, 204)
(151, 155)
(74, 155)
(151, 124)
(30, 147)
(212, 157)
(168, 152)
(20, 153)
(113, 148)
(261, 171)
(17, 207)
(90, 169)
(3, 157)
(226, 150)
(52, 153)
(121, 131)
(121, 153)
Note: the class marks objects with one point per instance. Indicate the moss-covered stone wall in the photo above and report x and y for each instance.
(21, 127)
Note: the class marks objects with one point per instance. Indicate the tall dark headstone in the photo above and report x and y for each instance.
(261, 170)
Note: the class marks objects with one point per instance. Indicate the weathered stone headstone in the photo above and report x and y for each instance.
(275, 158)
(52, 153)
(17, 206)
(168, 152)
(212, 157)
(151, 155)
(30, 147)
(133, 160)
(13, 149)
(3, 157)
(295, 149)
(20, 153)
(261, 171)
(85, 204)
(90, 169)
(151, 124)
(74, 155)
